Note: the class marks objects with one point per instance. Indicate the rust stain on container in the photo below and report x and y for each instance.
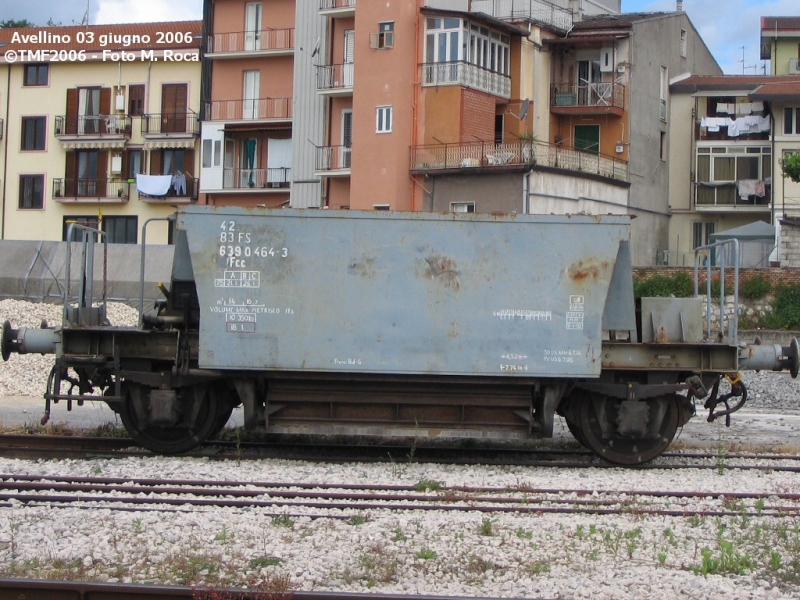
(585, 270)
(364, 267)
(443, 269)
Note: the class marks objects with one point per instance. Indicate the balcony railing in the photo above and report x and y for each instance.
(261, 108)
(588, 94)
(468, 75)
(555, 13)
(92, 125)
(722, 195)
(335, 77)
(170, 122)
(336, 4)
(333, 158)
(183, 188)
(251, 41)
(476, 154)
(256, 178)
(90, 190)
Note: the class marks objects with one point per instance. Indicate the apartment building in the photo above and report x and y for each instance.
(105, 131)
(447, 105)
(780, 44)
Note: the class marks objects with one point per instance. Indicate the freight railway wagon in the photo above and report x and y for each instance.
(376, 323)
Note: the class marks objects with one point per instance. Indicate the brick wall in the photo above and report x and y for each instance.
(477, 117)
(775, 276)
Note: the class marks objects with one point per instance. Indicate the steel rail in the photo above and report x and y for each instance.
(34, 589)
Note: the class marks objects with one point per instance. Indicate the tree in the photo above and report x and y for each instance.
(8, 23)
(791, 167)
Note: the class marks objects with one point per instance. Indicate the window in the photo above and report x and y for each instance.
(663, 147)
(701, 233)
(121, 230)
(33, 130)
(31, 191)
(587, 138)
(462, 207)
(381, 207)
(385, 36)
(683, 43)
(384, 119)
(77, 234)
(136, 100)
(791, 121)
(663, 93)
(36, 74)
(719, 168)
(134, 163)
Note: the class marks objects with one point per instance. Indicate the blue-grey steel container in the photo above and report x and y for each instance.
(402, 293)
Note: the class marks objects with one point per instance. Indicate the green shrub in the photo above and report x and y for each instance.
(679, 285)
(785, 308)
(754, 288)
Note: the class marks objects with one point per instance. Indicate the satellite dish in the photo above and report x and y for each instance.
(523, 112)
(315, 51)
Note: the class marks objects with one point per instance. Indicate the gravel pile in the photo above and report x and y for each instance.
(26, 374)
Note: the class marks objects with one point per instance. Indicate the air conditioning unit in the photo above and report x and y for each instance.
(794, 66)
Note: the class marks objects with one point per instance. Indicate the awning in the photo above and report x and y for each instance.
(170, 143)
(92, 144)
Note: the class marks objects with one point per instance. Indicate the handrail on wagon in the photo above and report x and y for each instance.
(717, 256)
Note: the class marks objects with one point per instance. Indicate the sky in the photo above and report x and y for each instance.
(725, 25)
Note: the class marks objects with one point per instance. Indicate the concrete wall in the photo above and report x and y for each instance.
(560, 193)
(656, 43)
(501, 192)
(34, 271)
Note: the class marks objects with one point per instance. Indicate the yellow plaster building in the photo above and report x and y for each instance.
(100, 124)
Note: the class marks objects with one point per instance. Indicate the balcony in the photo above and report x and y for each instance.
(485, 157)
(337, 8)
(182, 190)
(587, 99)
(91, 191)
(725, 197)
(170, 124)
(239, 44)
(467, 75)
(333, 161)
(555, 14)
(260, 180)
(335, 80)
(261, 109)
(92, 131)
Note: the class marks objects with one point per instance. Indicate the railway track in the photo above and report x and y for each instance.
(77, 447)
(31, 589)
(340, 501)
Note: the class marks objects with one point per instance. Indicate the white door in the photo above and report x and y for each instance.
(252, 26)
(252, 84)
(349, 53)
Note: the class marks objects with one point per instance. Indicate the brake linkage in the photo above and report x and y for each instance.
(738, 390)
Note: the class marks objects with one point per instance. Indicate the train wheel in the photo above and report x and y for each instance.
(198, 415)
(225, 407)
(576, 432)
(629, 432)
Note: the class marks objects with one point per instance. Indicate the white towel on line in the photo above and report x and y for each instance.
(153, 185)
